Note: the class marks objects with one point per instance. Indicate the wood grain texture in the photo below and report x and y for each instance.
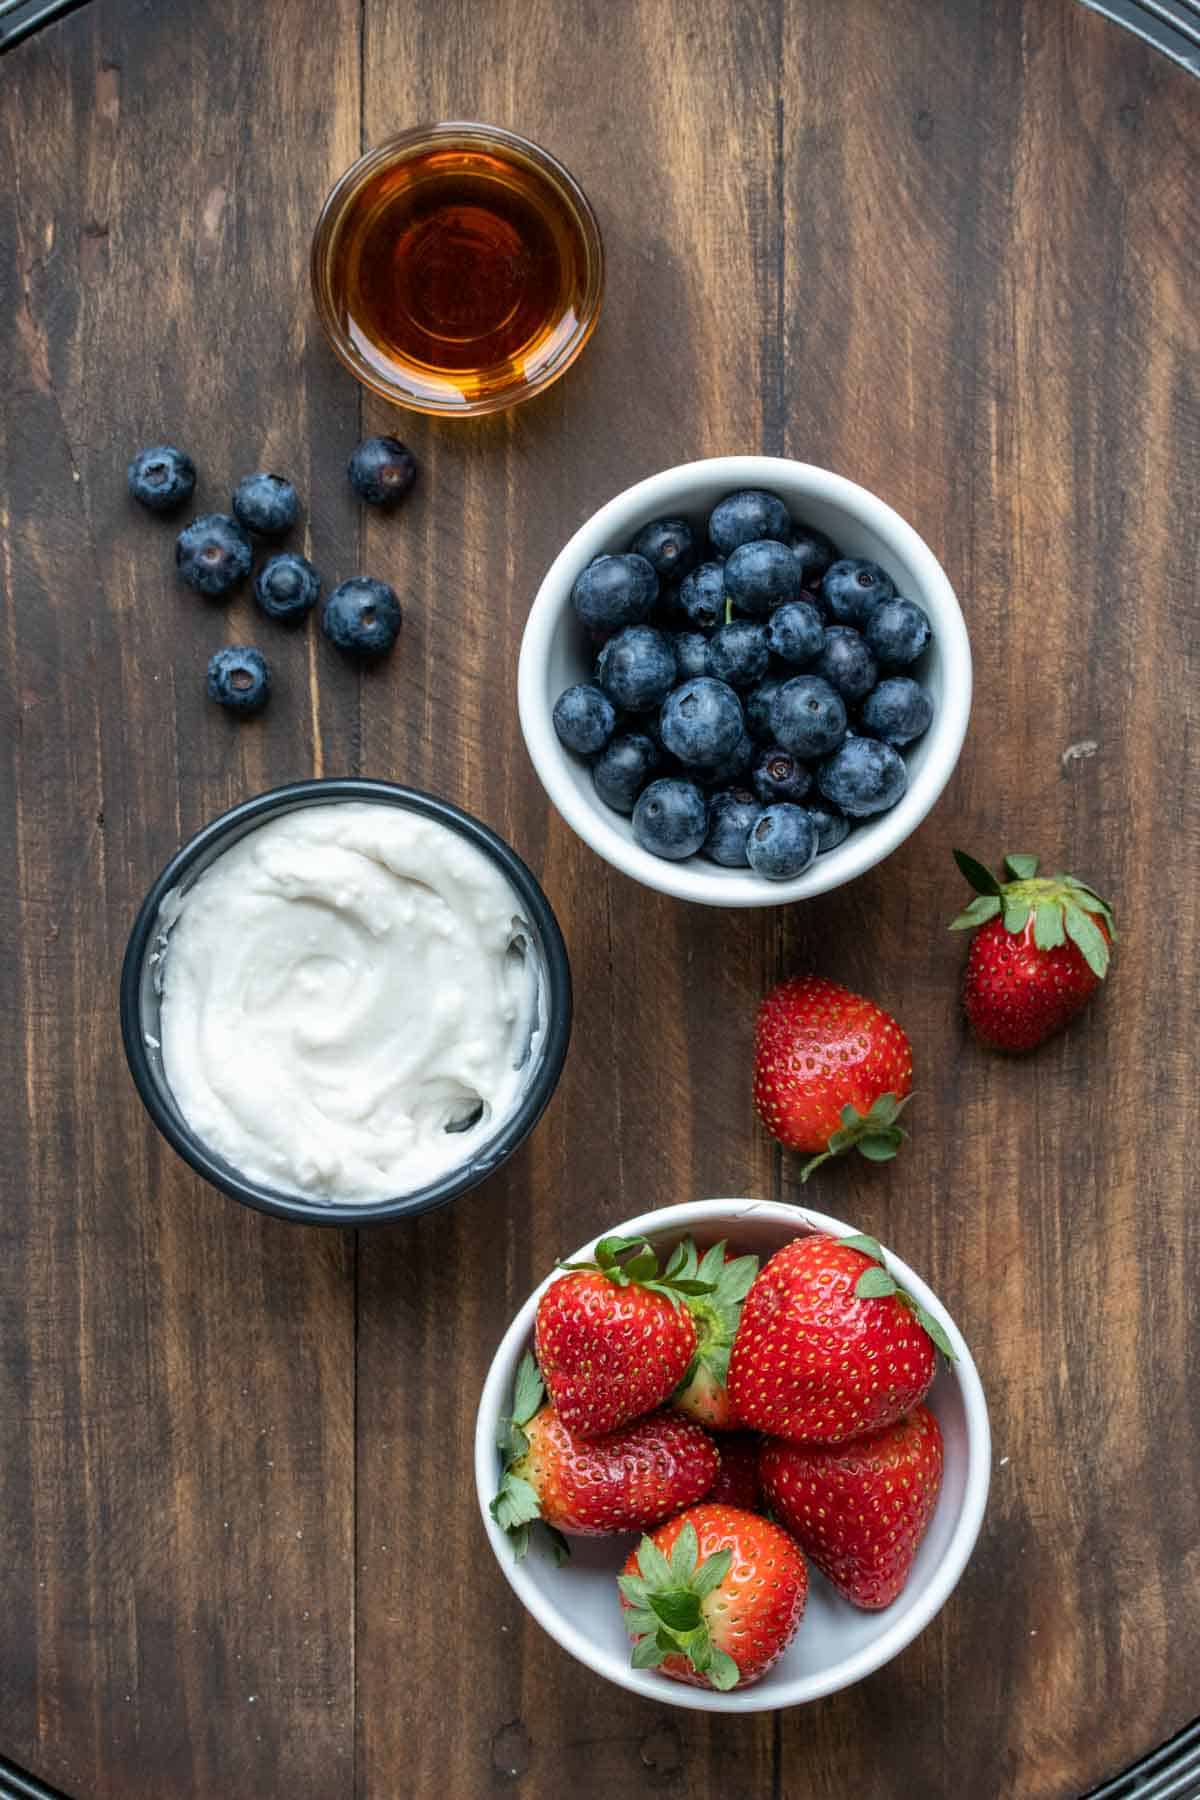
(949, 247)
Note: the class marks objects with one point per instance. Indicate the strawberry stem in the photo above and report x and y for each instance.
(874, 1134)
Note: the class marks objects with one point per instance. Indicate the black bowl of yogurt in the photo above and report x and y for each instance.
(345, 1001)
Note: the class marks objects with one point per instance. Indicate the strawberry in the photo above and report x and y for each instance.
(829, 1346)
(737, 1479)
(860, 1509)
(832, 1071)
(590, 1487)
(713, 1597)
(702, 1393)
(1041, 948)
(614, 1337)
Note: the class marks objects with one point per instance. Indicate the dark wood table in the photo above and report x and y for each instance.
(949, 247)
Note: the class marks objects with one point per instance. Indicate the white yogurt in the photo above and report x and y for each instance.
(339, 987)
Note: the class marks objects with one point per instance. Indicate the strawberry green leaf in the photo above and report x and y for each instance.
(653, 1564)
(634, 1589)
(935, 1330)
(712, 1572)
(529, 1392)
(1084, 932)
(678, 1609)
(1021, 868)
(642, 1267)
(686, 1287)
(716, 1361)
(723, 1672)
(874, 1284)
(981, 879)
(882, 1146)
(684, 1552)
(868, 1245)
(985, 907)
(559, 1547)
(1048, 925)
(1094, 904)
(516, 1502)
(647, 1654)
(712, 1263)
(639, 1620)
(519, 1539)
(1016, 916)
(736, 1278)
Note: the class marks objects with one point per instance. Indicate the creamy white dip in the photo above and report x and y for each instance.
(348, 1002)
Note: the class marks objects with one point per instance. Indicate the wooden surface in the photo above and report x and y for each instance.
(949, 247)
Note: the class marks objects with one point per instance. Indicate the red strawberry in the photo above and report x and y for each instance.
(590, 1487)
(832, 1071)
(737, 1479)
(614, 1338)
(702, 1394)
(829, 1346)
(860, 1509)
(713, 1597)
(1041, 948)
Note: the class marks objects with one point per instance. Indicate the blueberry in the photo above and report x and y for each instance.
(213, 554)
(239, 678)
(758, 708)
(863, 777)
(846, 663)
(622, 770)
(615, 591)
(162, 478)
(362, 616)
(796, 632)
(898, 711)
(702, 596)
(637, 668)
(730, 818)
(691, 654)
(808, 717)
(738, 653)
(783, 843)
(761, 576)
(897, 631)
(266, 504)
(852, 589)
(668, 546)
(741, 518)
(813, 551)
(702, 722)
(381, 470)
(833, 828)
(671, 819)
(584, 718)
(287, 586)
(778, 775)
(732, 767)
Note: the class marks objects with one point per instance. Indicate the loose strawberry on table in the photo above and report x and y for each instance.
(828, 1345)
(832, 1071)
(1042, 946)
(859, 1509)
(713, 1597)
(702, 1393)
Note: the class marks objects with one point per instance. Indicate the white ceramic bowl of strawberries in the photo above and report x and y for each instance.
(554, 655)
(836, 1642)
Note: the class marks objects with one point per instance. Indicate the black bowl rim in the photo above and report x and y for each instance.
(559, 1003)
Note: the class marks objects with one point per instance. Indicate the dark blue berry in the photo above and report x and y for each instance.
(733, 767)
(362, 616)
(738, 653)
(615, 591)
(381, 470)
(691, 654)
(584, 719)
(778, 775)
(898, 711)
(702, 596)
(287, 586)
(758, 708)
(162, 478)
(671, 819)
(863, 777)
(702, 722)
(730, 817)
(808, 717)
(745, 516)
(833, 828)
(853, 588)
(637, 668)
(813, 551)
(668, 546)
(897, 631)
(622, 770)
(761, 576)
(795, 633)
(213, 554)
(782, 844)
(266, 504)
(238, 677)
(846, 663)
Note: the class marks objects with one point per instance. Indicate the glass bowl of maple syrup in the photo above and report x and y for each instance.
(457, 269)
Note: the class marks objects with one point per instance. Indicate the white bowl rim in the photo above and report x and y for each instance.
(865, 847)
(762, 1697)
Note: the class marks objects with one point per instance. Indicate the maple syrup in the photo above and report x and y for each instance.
(458, 269)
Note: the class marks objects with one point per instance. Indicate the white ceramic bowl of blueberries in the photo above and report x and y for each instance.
(744, 681)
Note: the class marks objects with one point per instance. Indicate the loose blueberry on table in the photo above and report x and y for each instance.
(287, 586)
(162, 478)
(213, 554)
(381, 470)
(362, 617)
(238, 678)
(749, 682)
(265, 504)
